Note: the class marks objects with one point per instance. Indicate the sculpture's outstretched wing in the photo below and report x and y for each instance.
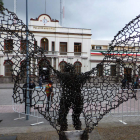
(113, 80)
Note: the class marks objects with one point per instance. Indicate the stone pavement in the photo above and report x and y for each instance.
(109, 128)
(6, 85)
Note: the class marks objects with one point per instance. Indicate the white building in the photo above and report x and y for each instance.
(61, 45)
(98, 46)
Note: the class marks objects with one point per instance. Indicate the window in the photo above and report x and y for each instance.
(44, 44)
(62, 65)
(78, 67)
(8, 45)
(23, 46)
(100, 70)
(98, 47)
(63, 48)
(92, 47)
(77, 48)
(113, 70)
(53, 47)
(8, 68)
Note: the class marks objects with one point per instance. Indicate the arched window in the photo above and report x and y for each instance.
(8, 68)
(62, 65)
(77, 67)
(44, 44)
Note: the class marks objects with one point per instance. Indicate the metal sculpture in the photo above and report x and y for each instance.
(90, 95)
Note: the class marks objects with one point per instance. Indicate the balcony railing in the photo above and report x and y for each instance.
(65, 53)
(51, 52)
(73, 53)
(55, 53)
(77, 53)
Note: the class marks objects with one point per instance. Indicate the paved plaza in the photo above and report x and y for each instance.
(111, 127)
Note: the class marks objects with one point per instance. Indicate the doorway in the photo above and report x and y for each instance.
(128, 73)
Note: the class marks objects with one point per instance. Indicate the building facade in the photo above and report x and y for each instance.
(63, 45)
(60, 44)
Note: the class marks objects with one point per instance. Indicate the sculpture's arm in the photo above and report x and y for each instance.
(85, 76)
(58, 73)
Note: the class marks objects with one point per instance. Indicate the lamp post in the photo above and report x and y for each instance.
(27, 66)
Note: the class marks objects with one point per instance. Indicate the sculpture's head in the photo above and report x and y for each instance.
(69, 68)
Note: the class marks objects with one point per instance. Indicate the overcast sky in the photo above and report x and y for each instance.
(104, 17)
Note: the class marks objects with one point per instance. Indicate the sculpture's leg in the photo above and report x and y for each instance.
(48, 102)
(63, 111)
(62, 120)
(77, 110)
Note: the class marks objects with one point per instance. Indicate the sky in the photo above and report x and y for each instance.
(104, 17)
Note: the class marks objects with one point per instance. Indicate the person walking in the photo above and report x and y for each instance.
(124, 81)
(49, 93)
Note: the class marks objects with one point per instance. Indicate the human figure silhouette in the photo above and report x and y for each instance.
(71, 96)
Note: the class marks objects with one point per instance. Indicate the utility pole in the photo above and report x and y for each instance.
(27, 66)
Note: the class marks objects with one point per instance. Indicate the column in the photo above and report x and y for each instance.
(2, 67)
(57, 63)
(71, 60)
(50, 46)
(52, 62)
(83, 64)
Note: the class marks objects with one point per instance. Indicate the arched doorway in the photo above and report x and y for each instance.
(62, 65)
(78, 66)
(44, 70)
(44, 44)
(128, 73)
